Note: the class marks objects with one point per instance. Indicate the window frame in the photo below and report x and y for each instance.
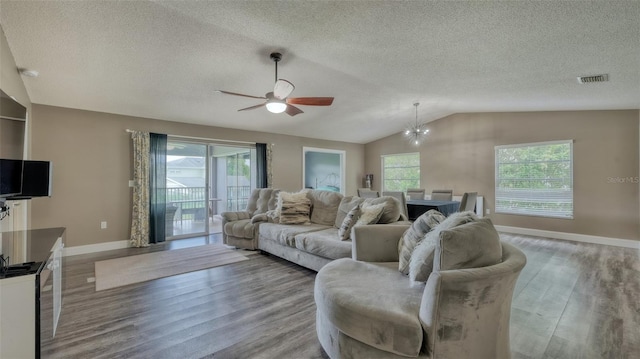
(532, 212)
(382, 167)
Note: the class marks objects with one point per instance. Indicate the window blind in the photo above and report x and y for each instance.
(535, 179)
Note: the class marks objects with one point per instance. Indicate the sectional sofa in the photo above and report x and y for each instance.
(313, 237)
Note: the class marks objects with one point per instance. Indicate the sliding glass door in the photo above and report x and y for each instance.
(187, 192)
(233, 178)
(204, 180)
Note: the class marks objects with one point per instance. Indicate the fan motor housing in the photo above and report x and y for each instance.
(276, 56)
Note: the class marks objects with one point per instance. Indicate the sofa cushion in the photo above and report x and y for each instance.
(294, 208)
(344, 232)
(471, 245)
(372, 303)
(414, 235)
(241, 229)
(324, 206)
(421, 263)
(391, 212)
(324, 243)
(346, 204)
(284, 233)
(370, 213)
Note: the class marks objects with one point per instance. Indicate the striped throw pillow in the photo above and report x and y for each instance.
(344, 232)
(414, 235)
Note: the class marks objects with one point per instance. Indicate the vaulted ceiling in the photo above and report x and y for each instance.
(165, 59)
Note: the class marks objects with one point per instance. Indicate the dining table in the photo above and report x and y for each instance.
(417, 207)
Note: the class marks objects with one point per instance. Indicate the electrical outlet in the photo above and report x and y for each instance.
(487, 211)
(103, 225)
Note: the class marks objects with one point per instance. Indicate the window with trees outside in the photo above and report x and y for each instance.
(400, 171)
(535, 179)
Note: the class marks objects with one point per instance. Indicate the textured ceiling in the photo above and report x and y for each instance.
(163, 60)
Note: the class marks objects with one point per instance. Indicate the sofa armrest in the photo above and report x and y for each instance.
(234, 216)
(376, 242)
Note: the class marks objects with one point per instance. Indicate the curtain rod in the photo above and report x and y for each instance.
(204, 139)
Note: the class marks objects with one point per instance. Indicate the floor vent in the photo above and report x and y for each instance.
(594, 78)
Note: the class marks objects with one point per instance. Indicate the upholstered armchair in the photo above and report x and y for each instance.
(366, 308)
(239, 228)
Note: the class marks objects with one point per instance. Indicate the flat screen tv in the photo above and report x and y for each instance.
(36, 180)
(10, 177)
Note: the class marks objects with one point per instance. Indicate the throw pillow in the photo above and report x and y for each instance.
(391, 211)
(294, 208)
(414, 235)
(421, 263)
(346, 204)
(344, 232)
(369, 213)
(471, 245)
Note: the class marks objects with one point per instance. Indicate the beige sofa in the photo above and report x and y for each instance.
(366, 308)
(311, 245)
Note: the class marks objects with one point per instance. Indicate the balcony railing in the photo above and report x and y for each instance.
(192, 200)
(237, 197)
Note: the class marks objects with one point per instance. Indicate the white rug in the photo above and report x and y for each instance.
(123, 271)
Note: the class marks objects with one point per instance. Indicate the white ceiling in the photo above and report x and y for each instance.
(164, 59)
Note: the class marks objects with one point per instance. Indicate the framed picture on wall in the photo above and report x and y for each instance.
(323, 169)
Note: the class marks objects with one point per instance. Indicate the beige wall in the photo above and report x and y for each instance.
(91, 154)
(10, 80)
(459, 154)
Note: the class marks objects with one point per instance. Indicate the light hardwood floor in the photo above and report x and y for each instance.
(572, 300)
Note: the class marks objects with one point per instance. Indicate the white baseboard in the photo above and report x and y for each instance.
(93, 248)
(627, 243)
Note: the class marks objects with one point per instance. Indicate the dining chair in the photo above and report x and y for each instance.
(361, 190)
(415, 193)
(369, 194)
(401, 197)
(468, 201)
(442, 194)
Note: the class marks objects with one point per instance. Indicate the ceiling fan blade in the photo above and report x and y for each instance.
(282, 89)
(239, 94)
(292, 110)
(310, 101)
(252, 107)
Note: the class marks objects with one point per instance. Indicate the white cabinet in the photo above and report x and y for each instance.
(30, 304)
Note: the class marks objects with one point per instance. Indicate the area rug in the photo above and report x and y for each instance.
(123, 271)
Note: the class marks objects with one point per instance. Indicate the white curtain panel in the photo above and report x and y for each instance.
(140, 210)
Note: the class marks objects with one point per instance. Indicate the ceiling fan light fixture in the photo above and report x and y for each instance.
(276, 107)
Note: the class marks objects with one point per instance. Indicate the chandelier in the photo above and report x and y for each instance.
(417, 132)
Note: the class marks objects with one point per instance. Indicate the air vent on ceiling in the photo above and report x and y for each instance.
(594, 78)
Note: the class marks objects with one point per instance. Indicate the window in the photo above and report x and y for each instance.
(400, 172)
(535, 179)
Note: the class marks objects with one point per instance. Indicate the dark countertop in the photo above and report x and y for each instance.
(33, 245)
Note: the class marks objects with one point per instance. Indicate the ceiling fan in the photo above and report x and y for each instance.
(278, 101)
